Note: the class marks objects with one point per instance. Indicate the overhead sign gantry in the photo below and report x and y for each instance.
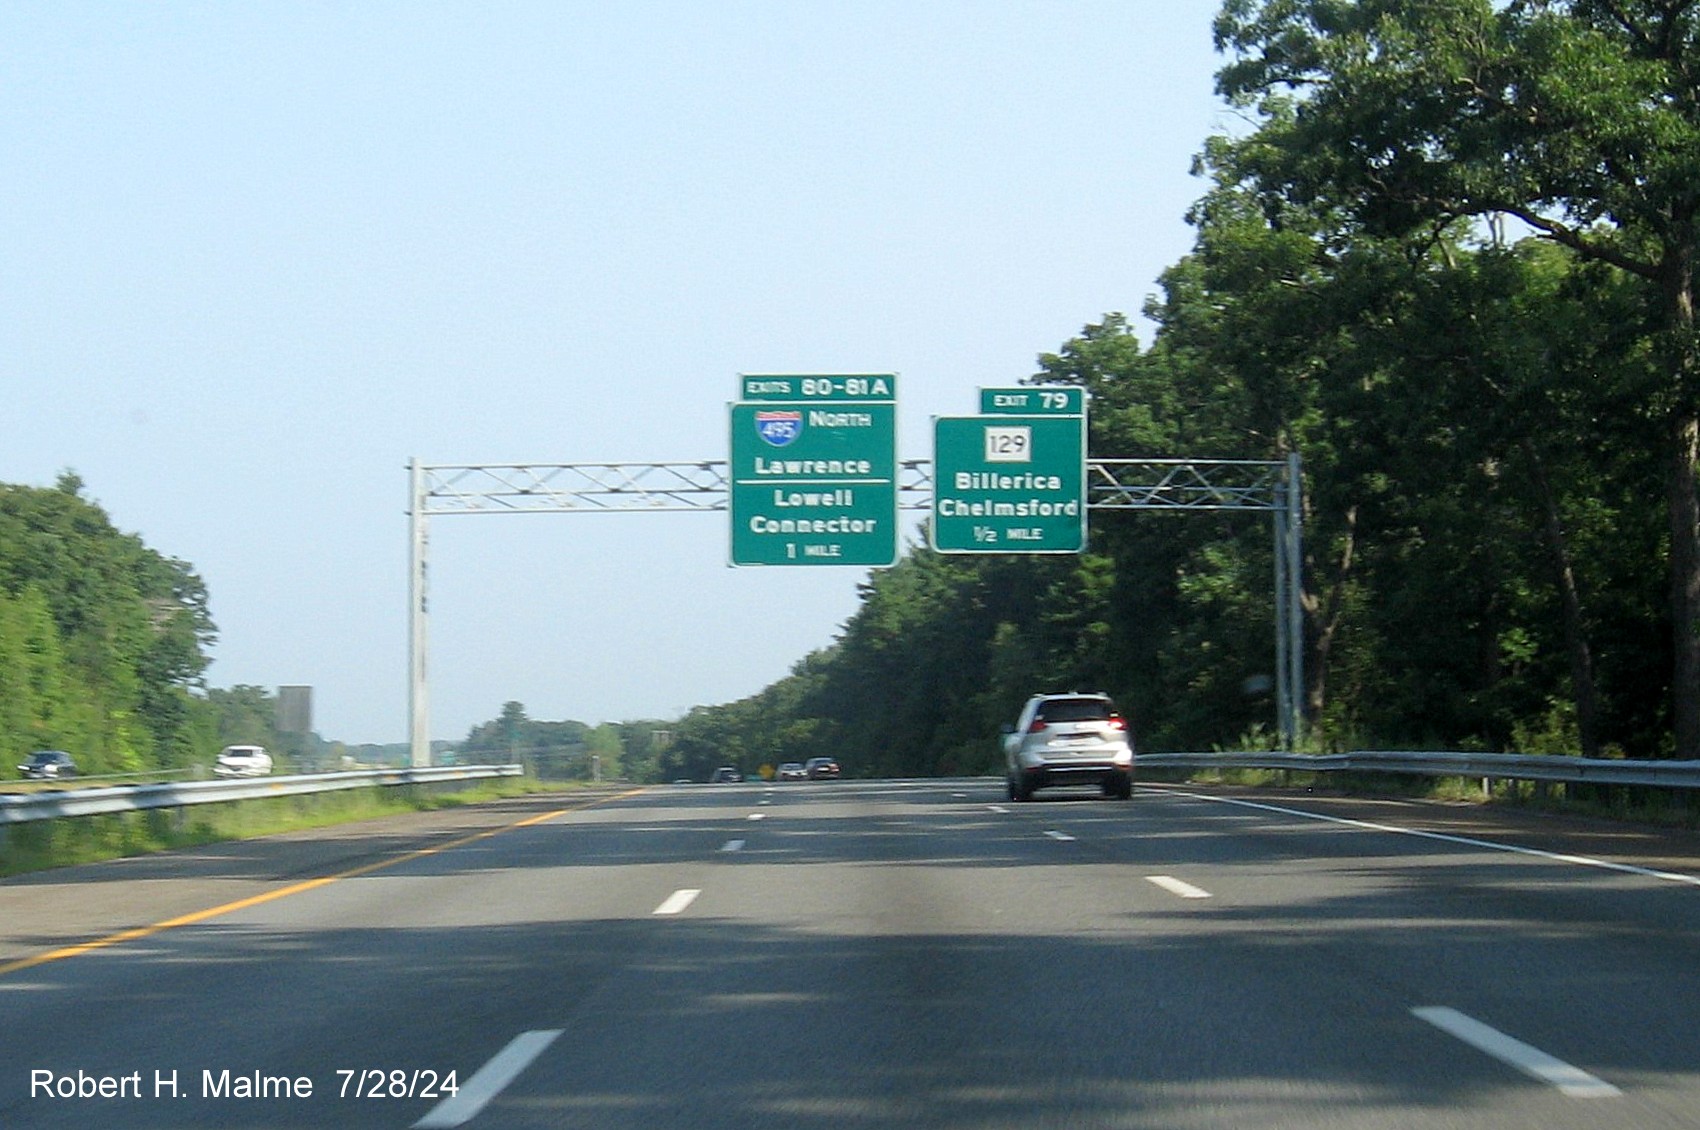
(814, 479)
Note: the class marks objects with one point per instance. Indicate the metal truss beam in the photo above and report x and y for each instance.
(556, 488)
(1185, 484)
(545, 488)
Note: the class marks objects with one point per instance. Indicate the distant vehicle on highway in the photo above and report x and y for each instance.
(822, 769)
(243, 761)
(725, 775)
(793, 771)
(1069, 739)
(46, 763)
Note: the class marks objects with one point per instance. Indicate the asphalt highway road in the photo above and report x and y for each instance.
(868, 954)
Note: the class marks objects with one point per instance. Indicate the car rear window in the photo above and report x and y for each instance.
(1076, 710)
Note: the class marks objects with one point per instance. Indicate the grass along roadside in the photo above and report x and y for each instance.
(44, 844)
(1635, 804)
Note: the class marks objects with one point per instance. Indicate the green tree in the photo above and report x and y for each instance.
(131, 627)
(38, 704)
(247, 715)
(605, 745)
(642, 744)
(1460, 414)
(1577, 118)
(552, 750)
(1172, 614)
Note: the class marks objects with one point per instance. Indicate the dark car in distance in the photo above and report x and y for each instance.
(822, 769)
(49, 763)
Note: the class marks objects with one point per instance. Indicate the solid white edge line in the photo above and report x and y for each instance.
(1531, 1061)
(677, 901)
(1178, 887)
(1466, 841)
(488, 1081)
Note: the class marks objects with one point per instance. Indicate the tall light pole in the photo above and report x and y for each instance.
(418, 700)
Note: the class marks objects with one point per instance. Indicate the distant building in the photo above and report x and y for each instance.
(295, 710)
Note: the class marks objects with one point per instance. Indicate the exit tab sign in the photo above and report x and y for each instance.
(814, 470)
(816, 387)
(1033, 401)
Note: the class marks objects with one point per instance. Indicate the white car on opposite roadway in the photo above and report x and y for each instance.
(243, 761)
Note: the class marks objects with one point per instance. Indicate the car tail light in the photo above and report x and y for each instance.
(1117, 722)
(1038, 726)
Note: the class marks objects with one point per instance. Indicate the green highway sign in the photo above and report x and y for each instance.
(813, 476)
(811, 389)
(1007, 483)
(1066, 401)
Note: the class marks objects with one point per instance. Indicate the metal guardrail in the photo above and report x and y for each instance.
(22, 808)
(1500, 766)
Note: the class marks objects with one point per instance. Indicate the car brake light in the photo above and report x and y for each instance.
(1038, 726)
(1117, 722)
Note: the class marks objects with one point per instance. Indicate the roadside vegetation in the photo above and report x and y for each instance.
(1446, 255)
(88, 839)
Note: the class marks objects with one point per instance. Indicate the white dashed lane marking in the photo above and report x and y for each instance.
(1177, 887)
(477, 1091)
(1572, 1081)
(677, 901)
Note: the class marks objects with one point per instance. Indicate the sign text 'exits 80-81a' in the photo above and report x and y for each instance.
(814, 470)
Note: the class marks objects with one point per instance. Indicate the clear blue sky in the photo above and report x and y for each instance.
(256, 256)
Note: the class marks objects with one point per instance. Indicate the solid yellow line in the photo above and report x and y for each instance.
(284, 892)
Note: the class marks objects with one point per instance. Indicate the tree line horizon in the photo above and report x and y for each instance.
(1447, 256)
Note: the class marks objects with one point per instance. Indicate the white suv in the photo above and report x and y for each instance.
(243, 761)
(1069, 739)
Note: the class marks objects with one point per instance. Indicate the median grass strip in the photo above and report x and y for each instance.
(67, 841)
